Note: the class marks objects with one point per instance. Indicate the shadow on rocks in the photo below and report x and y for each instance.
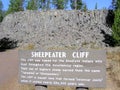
(110, 18)
(6, 43)
(108, 39)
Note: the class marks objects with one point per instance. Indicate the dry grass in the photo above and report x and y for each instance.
(113, 55)
(114, 66)
(63, 48)
(29, 46)
(113, 70)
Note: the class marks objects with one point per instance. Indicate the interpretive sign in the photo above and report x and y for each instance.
(80, 68)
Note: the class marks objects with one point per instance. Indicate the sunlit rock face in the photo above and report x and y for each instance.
(57, 28)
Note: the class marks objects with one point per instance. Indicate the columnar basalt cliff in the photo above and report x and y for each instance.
(57, 28)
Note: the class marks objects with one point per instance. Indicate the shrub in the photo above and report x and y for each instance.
(6, 43)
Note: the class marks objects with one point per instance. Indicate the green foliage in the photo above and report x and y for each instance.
(1, 17)
(1, 5)
(6, 43)
(48, 4)
(116, 27)
(114, 4)
(32, 5)
(76, 4)
(60, 4)
(44, 4)
(1, 11)
(85, 7)
(118, 4)
(15, 6)
(116, 24)
(96, 6)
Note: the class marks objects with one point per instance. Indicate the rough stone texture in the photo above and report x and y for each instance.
(56, 28)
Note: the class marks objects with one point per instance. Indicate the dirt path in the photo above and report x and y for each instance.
(8, 66)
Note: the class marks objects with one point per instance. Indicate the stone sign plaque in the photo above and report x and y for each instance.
(79, 68)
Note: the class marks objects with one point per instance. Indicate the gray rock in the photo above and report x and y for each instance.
(56, 28)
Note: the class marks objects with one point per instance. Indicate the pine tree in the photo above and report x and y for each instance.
(1, 5)
(85, 7)
(96, 7)
(38, 4)
(32, 5)
(48, 5)
(15, 6)
(116, 24)
(42, 4)
(76, 4)
(118, 4)
(113, 4)
(60, 4)
(1, 11)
